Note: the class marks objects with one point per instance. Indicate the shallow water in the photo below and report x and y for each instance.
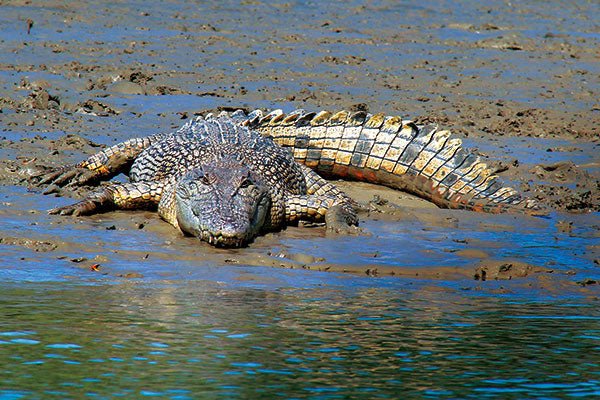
(346, 339)
(39, 247)
(166, 316)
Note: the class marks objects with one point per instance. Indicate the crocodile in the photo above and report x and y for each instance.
(229, 177)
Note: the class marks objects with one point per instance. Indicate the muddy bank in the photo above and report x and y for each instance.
(521, 90)
(518, 85)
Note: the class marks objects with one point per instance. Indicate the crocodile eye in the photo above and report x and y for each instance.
(204, 179)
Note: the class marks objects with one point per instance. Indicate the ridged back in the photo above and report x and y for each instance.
(209, 140)
(390, 151)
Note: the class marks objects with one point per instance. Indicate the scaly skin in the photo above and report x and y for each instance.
(224, 180)
(213, 179)
(393, 152)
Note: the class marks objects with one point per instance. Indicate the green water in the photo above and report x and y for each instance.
(205, 340)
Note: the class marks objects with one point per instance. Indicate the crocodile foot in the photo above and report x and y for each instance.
(85, 207)
(93, 204)
(68, 175)
(339, 220)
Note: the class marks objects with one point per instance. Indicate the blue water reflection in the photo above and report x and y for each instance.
(195, 338)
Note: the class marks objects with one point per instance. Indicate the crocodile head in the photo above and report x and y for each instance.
(222, 204)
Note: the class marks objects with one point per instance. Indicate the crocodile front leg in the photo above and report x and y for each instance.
(338, 216)
(100, 166)
(324, 202)
(127, 196)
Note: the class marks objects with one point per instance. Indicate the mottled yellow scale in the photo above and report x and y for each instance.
(428, 152)
(446, 154)
(273, 115)
(376, 157)
(383, 142)
(484, 180)
(340, 117)
(290, 119)
(503, 194)
(280, 132)
(316, 132)
(101, 168)
(351, 132)
(321, 118)
(343, 157)
(480, 176)
(333, 136)
(462, 186)
(388, 132)
(436, 145)
(300, 154)
(376, 121)
(401, 141)
(277, 119)
(313, 158)
(368, 135)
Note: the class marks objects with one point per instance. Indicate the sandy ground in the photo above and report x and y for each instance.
(518, 83)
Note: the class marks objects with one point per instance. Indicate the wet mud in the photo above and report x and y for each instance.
(521, 88)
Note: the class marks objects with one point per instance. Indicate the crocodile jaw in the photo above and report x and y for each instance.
(219, 228)
(219, 212)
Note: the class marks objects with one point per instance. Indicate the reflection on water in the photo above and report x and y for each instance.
(189, 339)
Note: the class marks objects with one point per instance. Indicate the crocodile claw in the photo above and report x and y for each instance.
(339, 220)
(68, 175)
(85, 207)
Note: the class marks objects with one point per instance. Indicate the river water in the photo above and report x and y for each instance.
(119, 305)
(339, 338)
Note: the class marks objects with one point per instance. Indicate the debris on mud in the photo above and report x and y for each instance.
(40, 99)
(32, 244)
(497, 270)
(72, 141)
(96, 108)
(567, 187)
(588, 282)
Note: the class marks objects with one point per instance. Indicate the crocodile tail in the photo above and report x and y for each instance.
(397, 153)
